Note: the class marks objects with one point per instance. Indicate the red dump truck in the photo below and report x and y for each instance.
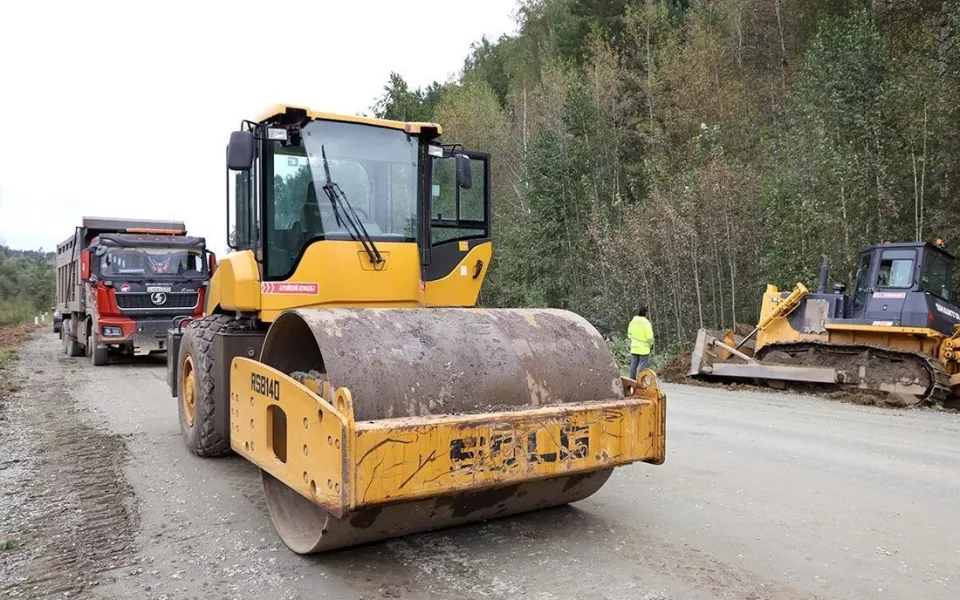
(121, 283)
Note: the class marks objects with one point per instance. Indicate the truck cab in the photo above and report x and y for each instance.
(122, 283)
(139, 283)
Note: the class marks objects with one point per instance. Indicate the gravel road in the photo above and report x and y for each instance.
(762, 497)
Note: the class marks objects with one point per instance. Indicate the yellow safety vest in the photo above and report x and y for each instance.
(640, 333)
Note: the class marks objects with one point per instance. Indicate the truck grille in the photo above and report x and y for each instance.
(141, 301)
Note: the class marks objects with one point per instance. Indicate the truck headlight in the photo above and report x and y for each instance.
(112, 332)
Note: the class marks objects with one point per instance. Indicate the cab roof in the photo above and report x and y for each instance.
(131, 240)
(285, 112)
(910, 245)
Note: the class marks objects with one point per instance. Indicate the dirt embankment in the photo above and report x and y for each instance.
(67, 522)
(10, 338)
(676, 369)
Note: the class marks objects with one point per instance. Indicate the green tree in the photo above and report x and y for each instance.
(400, 103)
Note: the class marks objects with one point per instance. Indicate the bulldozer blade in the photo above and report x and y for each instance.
(775, 372)
(698, 358)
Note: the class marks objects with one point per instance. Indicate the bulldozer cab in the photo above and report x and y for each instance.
(298, 178)
(905, 284)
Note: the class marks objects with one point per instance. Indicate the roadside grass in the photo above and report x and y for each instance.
(14, 313)
(10, 338)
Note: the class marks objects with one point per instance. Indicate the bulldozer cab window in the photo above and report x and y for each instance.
(863, 280)
(896, 269)
(375, 168)
(457, 213)
(937, 277)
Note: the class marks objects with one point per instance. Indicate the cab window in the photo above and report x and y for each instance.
(863, 274)
(896, 269)
(375, 169)
(937, 277)
(458, 213)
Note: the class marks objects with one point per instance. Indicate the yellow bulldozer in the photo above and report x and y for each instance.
(341, 350)
(895, 337)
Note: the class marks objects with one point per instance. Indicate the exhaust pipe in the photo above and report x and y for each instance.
(824, 274)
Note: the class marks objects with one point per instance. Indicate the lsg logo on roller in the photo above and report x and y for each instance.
(507, 448)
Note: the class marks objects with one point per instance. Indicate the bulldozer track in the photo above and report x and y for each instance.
(938, 386)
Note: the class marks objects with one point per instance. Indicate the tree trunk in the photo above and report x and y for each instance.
(524, 119)
(676, 303)
(719, 259)
(916, 197)
(923, 174)
(649, 79)
(846, 224)
(696, 283)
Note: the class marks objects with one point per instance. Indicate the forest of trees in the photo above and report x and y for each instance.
(27, 284)
(683, 153)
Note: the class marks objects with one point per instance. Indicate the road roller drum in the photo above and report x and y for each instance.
(375, 423)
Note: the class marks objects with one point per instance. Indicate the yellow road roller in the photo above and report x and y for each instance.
(342, 352)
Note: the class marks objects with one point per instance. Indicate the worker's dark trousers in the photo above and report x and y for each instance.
(638, 362)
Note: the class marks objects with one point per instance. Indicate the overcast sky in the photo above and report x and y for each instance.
(124, 109)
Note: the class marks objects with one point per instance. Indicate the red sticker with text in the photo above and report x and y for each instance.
(125, 287)
(294, 288)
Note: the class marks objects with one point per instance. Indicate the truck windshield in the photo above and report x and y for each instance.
(375, 167)
(152, 262)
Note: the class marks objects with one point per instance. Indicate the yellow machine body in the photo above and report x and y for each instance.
(375, 399)
(344, 279)
(305, 434)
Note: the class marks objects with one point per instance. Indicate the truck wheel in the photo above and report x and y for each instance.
(98, 355)
(196, 390)
(70, 345)
(64, 338)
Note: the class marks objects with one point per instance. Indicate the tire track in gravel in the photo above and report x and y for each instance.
(63, 495)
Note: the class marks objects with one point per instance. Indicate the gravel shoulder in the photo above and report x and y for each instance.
(762, 497)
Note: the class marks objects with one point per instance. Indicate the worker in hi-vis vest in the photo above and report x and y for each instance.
(640, 333)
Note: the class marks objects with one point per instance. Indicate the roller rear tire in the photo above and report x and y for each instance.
(196, 391)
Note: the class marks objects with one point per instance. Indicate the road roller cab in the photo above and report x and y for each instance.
(342, 353)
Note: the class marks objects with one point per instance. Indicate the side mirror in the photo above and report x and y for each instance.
(212, 263)
(240, 151)
(84, 265)
(464, 177)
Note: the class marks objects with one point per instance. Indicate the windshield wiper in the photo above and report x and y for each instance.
(354, 224)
